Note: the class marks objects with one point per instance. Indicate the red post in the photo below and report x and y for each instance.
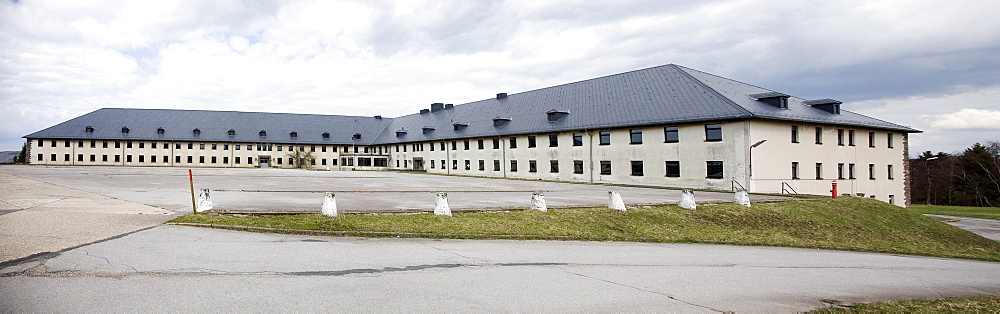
(834, 190)
(194, 206)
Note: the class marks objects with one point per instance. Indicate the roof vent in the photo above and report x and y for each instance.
(262, 133)
(449, 106)
(458, 126)
(428, 129)
(557, 114)
(326, 135)
(293, 135)
(437, 106)
(425, 111)
(356, 136)
(231, 133)
(826, 104)
(196, 132)
(400, 133)
(776, 99)
(500, 121)
(160, 131)
(124, 130)
(378, 117)
(501, 96)
(89, 129)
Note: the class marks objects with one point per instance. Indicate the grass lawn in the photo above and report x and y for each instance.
(989, 304)
(857, 224)
(960, 211)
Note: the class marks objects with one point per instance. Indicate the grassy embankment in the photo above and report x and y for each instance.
(988, 304)
(960, 211)
(856, 224)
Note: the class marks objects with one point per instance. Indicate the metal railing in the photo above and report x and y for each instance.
(735, 184)
(787, 189)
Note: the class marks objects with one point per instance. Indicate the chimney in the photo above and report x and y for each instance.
(437, 106)
(449, 106)
(501, 96)
(424, 111)
(378, 117)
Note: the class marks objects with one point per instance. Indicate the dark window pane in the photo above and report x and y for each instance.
(713, 132)
(714, 169)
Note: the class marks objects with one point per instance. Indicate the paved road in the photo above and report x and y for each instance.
(37, 217)
(168, 188)
(175, 268)
(988, 228)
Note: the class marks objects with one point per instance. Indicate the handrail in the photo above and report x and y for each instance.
(735, 183)
(783, 190)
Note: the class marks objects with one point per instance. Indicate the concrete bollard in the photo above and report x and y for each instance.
(538, 201)
(441, 205)
(329, 205)
(615, 201)
(742, 198)
(204, 200)
(687, 200)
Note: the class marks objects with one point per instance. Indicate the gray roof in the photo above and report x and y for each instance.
(660, 95)
(179, 125)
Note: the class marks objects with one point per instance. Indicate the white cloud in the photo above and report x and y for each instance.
(968, 119)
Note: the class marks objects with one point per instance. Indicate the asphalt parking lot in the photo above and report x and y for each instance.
(356, 191)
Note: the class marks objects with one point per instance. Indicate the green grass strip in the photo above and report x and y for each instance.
(960, 211)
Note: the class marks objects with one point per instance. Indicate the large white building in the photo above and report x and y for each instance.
(667, 125)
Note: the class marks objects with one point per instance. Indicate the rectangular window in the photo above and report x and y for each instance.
(482, 165)
(890, 175)
(118, 144)
(118, 158)
(278, 159)
(213, 160)
(177, 159)
(66, 157)
(40, 155)
(635, 136)
(513, 166)
(673, 169)
(840, 171)
(466, 143)
(578, 166)
(80, 144)
(713, 132)
(92, 157)
(468, 164)
(513, 142)
(442, 146)
(190, 145)
(432, 161)
(454, 146)
(236, 160)
(605, 137)
(454, 164)
(850, 137)
(871, 139)
(201, 159)
(888, 140)
(871, 171)
(66, 144)
(202, 146)
(103, 157)
(128, 158)
(128, 144)
(554, 166)
(237, 147)
(496, 165)
(481, 144)
(795, 134)
(795, 170)
(577, 139)
(840, 137)
(226, 147)
(214, 146)
(142, 158)
(819, 135)
(819, 171)
(151, 144)
(142, 144)
(190, 159)
(532, 166)
(553, 140)
(41, 143)
(496, 143)
(333, 161)
(637, 168)
(279, 147)
(104, 144)
(531, 141)
(52, 157)
(714, 170)
(93, 143)
(605, 167)
(671, 134)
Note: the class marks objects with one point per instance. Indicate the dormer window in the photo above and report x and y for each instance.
(89, 129)
(196, 132)
(776, 99)
(458, 126)
(356, 136)
(500, 121)
(326, 135)
(294, 135)
(826, 104)
(262, 134)
(160, 131)
(232, 133)
(557, 114)
(428, 129)
(124, 130)
(400, 133)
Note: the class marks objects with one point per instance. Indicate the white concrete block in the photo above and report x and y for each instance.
(441, 205)
(687, 200)
(742, 198)
(329, 205)
(204, 200)
(538, 201)
(615, 201)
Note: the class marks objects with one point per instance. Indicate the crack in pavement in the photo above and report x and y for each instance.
(41, 271)
(644, 290)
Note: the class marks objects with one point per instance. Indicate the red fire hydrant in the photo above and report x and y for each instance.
(834, 190)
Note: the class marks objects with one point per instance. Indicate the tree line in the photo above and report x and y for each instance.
(969, 178)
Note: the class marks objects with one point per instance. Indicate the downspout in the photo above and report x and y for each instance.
(590, 144)
(749, 154)
(503, 156)
(447, 157)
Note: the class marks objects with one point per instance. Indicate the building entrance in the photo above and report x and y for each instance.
(264, 161)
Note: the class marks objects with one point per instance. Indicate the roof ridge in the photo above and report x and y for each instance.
(643, 83)
(237, 111)
(717, 93)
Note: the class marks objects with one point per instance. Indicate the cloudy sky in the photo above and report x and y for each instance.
(931, 65)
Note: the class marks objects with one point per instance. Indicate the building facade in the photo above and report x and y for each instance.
(667, 125)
